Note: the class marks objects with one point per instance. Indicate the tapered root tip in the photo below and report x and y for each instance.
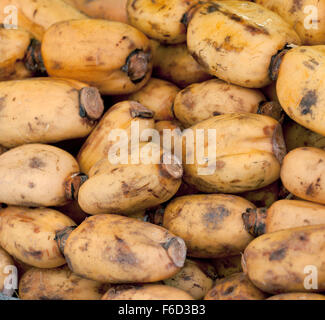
(272, 109)
(249, 218)
(278, 143)
(171, 167)
(255, 221)
(137, 65)
(276, 63)
(187, 16)
(33, 59)
(91, 103)
(243, 263)
(176, 250)
(156, 215)
(73, 185)
(137, 110)
(62, 236)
